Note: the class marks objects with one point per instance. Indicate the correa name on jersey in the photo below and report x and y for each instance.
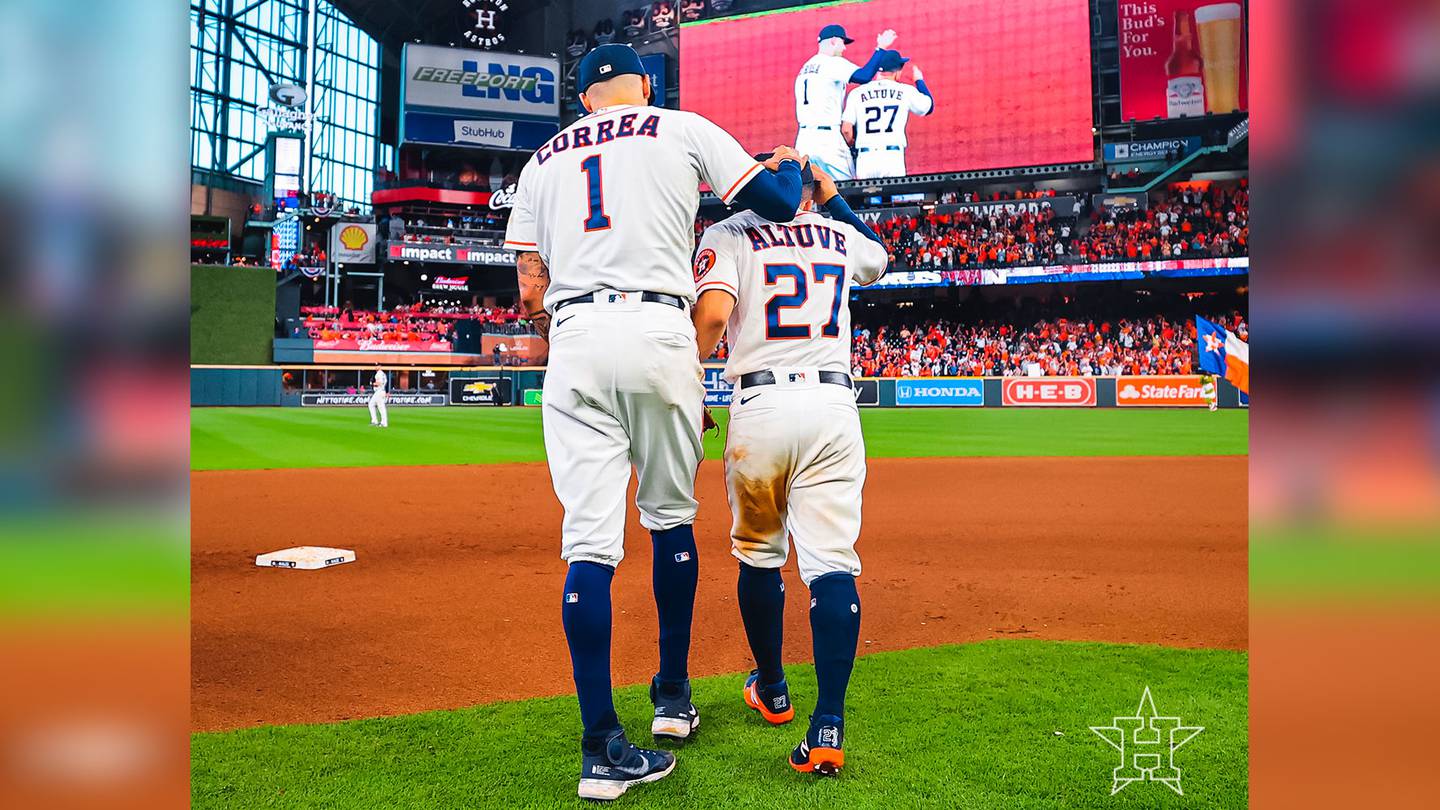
(764, 237)
(600, 132)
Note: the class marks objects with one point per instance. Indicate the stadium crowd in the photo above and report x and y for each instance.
(964, 239)
(1048, 346)
(407, 323)
(1187, 222)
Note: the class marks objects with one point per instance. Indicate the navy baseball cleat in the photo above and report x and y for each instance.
(772, 701)
(675, 715)
(822, 750)
(608, 768)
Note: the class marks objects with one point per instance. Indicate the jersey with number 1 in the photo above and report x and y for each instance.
(791, 284)
(820, 90)
(610, 202)
(879, 111)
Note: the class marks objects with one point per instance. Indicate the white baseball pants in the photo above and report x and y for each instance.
(378, 414)
(623, 386)
(795, 463)
(828, 147)
(873, 163)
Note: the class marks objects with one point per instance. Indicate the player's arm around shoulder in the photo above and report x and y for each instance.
(716, 285)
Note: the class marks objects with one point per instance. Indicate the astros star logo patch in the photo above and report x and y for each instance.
(703, 263)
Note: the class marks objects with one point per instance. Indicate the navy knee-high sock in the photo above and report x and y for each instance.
(586, 614)
(835, 625)
(675, 573)
(761, 594)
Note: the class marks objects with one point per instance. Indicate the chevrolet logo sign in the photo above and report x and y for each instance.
(479, 387)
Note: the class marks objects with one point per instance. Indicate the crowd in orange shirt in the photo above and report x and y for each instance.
(1045, 347)
(965, 239)
(410, 323)
(1189, 222)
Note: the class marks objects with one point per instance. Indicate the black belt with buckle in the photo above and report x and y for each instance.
(767, 377)
(649, 297)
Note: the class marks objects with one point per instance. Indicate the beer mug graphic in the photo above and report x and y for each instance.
(1219, 28)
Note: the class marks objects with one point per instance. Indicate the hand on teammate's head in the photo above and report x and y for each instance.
(919, 77)
(885, 38)
(780, 153)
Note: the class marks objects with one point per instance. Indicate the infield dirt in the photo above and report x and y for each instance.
(455, 597)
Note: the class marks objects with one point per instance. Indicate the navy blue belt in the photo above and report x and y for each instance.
(767, 377)
(803, 126)
(881, 149)
(651, 297)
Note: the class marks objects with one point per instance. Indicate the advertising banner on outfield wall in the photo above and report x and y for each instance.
(1073, 392)
(362, 399)
(1182, 392)
(482, 391)
(1181, 58)
(867, 392)
(717, 391)
(940, 391)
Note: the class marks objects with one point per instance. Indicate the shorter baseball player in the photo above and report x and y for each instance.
(876, 115)
(379, 417)
(820, 97)
(794, 457)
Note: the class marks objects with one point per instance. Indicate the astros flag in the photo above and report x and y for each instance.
(1224, 354)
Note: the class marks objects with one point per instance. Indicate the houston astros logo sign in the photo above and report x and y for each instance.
(704, 262)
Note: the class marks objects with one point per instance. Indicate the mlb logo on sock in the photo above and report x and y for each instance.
(683, 556)
(572, 598)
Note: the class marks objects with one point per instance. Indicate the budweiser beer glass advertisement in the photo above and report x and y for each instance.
(1181, 58)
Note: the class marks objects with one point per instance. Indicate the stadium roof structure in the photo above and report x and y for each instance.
(392, 22)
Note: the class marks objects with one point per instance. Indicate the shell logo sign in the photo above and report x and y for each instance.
(354, 237)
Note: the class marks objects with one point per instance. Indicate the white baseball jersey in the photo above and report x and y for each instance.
(610, 202)
(820, 90)
(880, 110)
(791, 284)
(381, 381)
(794, 452)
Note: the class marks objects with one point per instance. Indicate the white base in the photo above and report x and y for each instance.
(308, 558)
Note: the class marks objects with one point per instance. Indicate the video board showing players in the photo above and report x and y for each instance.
(962, 85)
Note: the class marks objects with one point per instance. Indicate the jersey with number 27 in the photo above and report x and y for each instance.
(791, 284)
(880, 110)
(610, 202)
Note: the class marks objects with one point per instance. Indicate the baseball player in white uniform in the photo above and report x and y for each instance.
(603, 223)
(794, 457)
(379, 417)
(876, 115)
(820, 97)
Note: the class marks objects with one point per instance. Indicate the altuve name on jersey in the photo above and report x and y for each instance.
(582, 135)
(764, 237)
(882, 93)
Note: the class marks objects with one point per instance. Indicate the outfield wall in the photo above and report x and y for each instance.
(493, 385)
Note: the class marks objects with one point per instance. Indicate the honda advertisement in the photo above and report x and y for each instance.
(1071, 392)
(940, 391)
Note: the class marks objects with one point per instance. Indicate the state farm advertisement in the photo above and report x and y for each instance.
(1182, 392)
(1181, 58)
(1052, 392)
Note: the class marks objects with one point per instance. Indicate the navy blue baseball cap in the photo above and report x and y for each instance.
(830, 31)
(891, 61)
(607, 62)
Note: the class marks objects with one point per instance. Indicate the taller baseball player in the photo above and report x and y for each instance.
(379, 416)
(876, 115)
(603, 222)
(794, 457)
(820, 96)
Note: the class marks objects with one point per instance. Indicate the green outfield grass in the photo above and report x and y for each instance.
(998, 724)
(268, 438)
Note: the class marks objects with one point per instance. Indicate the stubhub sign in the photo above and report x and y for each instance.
(485, 133)
(940, 391)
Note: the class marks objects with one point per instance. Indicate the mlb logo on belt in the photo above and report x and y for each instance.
(798, 376)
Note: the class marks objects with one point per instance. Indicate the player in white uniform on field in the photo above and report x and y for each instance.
(603, 224)
(876, 115)
(794, 456)
(379, 417)
(820, 98)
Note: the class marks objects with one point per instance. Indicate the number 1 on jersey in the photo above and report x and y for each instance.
(597, 220)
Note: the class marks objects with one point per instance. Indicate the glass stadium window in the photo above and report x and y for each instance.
(239, 51)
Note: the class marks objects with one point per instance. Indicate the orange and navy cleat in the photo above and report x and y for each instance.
(772, 702)
(822, 750)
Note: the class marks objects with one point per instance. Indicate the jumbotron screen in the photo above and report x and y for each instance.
(1009, 82)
